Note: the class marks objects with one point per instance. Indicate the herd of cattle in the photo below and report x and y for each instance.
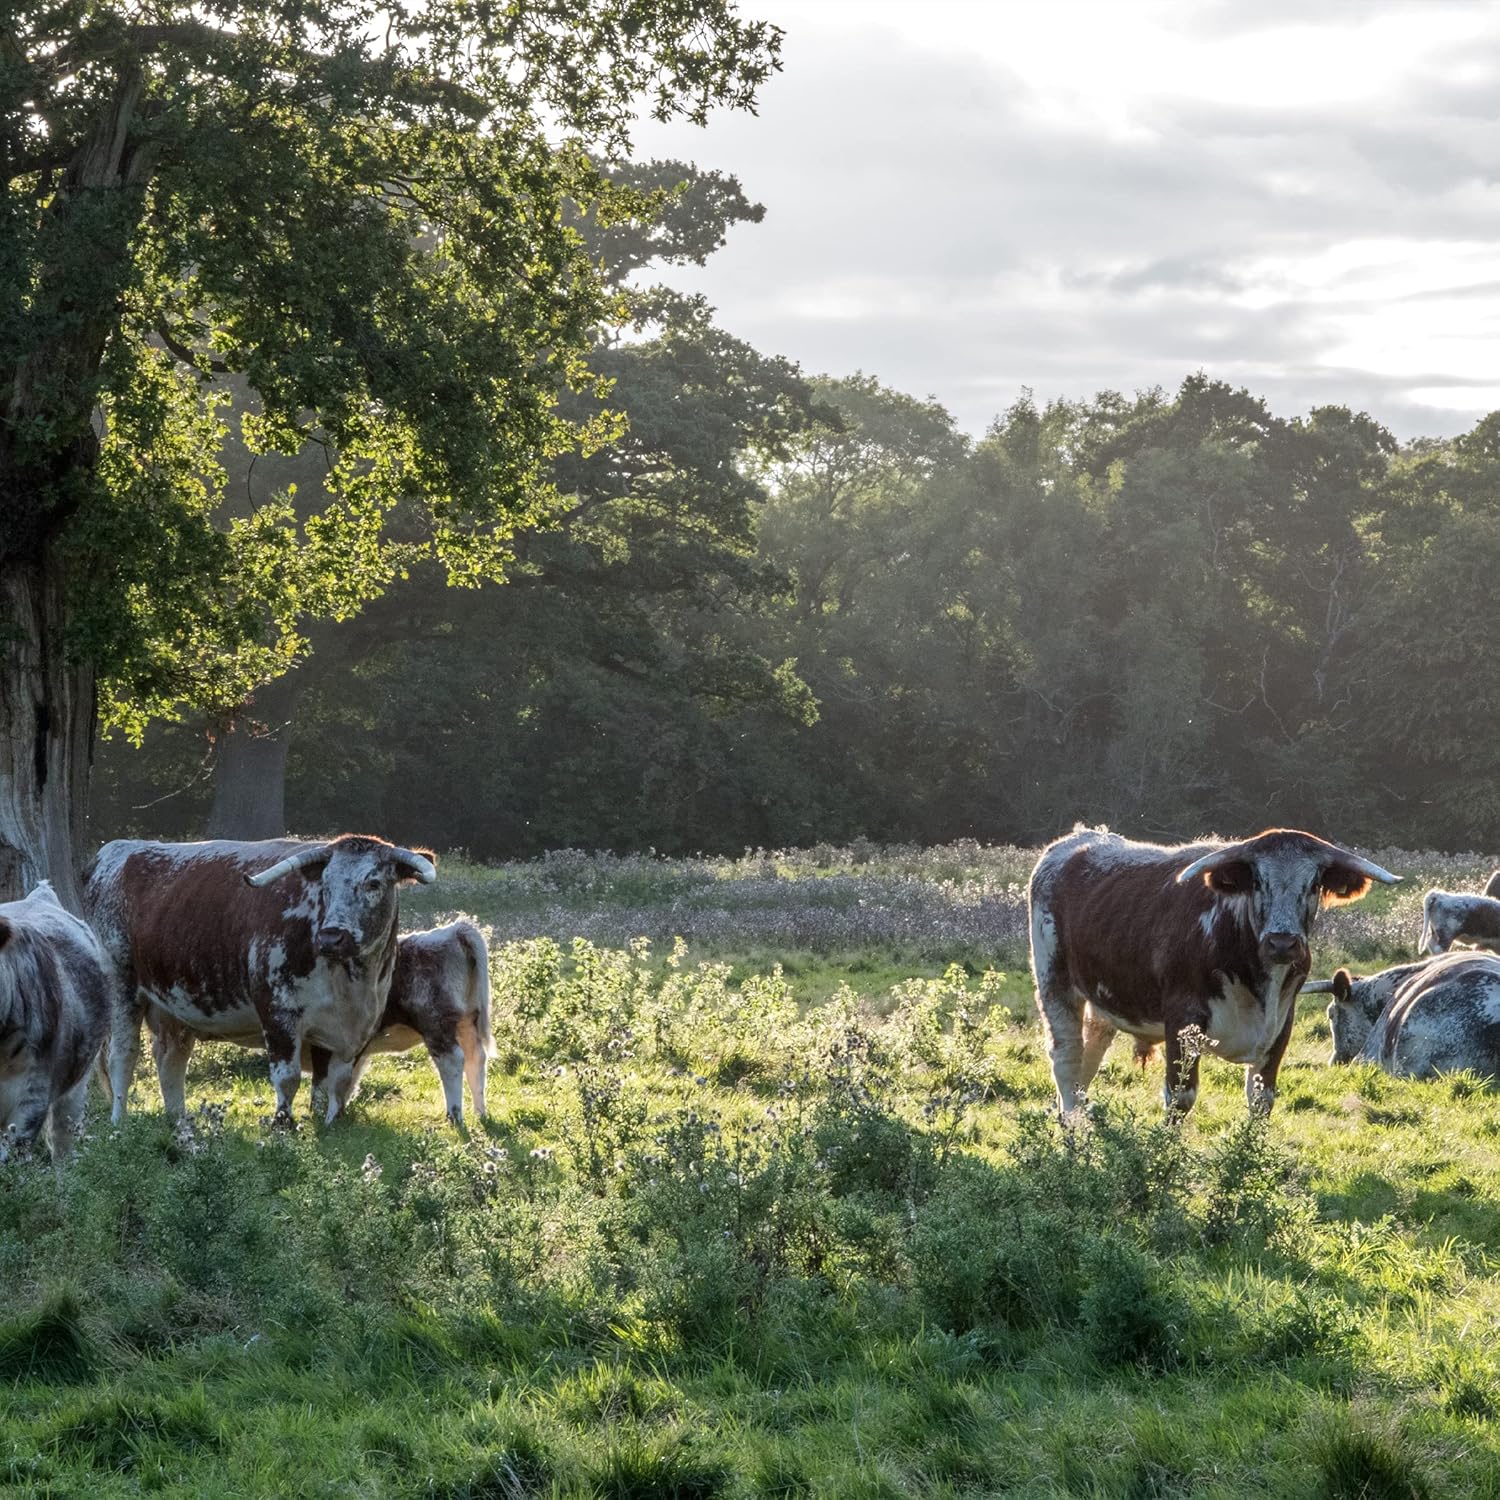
(293, 947)
(286, 945)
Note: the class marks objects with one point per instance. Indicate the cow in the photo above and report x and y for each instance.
(1208, 939)
(440, 996)
(1357, 1004)
(1450, 917)
(55, 987)
(1444, 1017)
(279, 944)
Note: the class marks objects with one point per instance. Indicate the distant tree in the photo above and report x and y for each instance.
(356, 206)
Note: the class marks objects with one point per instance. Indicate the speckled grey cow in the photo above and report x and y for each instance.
(1357, 1004)
(1450, 917)
(1444, 1017)
(55, 988)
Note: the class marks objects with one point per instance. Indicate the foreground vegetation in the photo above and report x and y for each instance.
(717, 1240)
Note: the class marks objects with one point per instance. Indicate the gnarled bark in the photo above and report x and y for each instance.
(46, 735)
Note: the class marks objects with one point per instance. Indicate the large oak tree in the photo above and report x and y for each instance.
(357, 207)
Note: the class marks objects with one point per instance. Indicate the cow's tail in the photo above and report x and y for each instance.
(478, 953)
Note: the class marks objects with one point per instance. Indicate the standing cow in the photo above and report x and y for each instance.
(54, 1008)
(1155, 941)
(277, 944)
(1450, 917)
(440, 996)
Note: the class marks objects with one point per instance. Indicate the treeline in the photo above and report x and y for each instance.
(780, 611)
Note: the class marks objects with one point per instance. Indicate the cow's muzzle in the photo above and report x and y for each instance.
(1283, 948)
(335, 942)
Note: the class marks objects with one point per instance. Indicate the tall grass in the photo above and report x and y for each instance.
(720, 1240)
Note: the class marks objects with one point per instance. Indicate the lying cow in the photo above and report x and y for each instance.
(440, 996)
(1443, 1018)
(1357, 1004)
(1450, 917)
(1157, 941)
(54, 1009)
(281, 945)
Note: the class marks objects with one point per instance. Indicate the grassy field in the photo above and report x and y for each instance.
(779, 1209)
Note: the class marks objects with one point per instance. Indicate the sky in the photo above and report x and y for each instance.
(968, 198)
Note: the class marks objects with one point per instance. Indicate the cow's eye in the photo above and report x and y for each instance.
(373, 884)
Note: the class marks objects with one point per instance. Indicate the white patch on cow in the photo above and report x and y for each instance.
(1043, 944)
(1152, 1031)
(1242, 1024)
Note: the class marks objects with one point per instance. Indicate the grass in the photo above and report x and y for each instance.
(808, 1234)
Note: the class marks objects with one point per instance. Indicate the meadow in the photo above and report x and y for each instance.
(771, 1202)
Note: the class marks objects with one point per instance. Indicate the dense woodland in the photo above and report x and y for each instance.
(780, 609)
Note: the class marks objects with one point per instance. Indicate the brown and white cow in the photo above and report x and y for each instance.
(1156, 941)
(440, 996)
(280, 944)
(1450, 917)
(55, 989)
(1444, 1017)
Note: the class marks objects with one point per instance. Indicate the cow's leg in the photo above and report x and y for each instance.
(319, 1057)
(474, 1070)
(1061, 1009)
(172, 1047)
(124, 1045)
(343, 1081)
(1260, 1079)
(1097, 1035)
(1180, 1091)
(284, 1049)
(64, 1120)
(449, 1062)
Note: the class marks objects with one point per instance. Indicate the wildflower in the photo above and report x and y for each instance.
(370, 1169)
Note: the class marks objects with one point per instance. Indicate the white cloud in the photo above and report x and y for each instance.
(968, 198)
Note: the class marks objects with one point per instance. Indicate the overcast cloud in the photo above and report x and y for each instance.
(965, 199)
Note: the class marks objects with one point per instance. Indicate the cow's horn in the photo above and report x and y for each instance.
(1363, 865)
(1318, 987)
(298, 861)
(1211, 861)
(420, 866)
(1492, 890)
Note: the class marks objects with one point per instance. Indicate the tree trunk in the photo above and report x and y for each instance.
(250, 765)
(47, 719)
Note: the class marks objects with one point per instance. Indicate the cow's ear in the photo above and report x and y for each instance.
(1343, 883)
(1235, 878)
(1343, 985)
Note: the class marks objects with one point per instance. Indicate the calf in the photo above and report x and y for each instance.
(1357, 1004)
(54, 1007)
(1444, 1018)
(281, 945)
(1210, 939)
(440, 996)
(1450, 917)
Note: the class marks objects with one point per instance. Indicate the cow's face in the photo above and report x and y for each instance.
(1353, 1012)
(1278, 881)
(1441, 923)
(351, 886)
